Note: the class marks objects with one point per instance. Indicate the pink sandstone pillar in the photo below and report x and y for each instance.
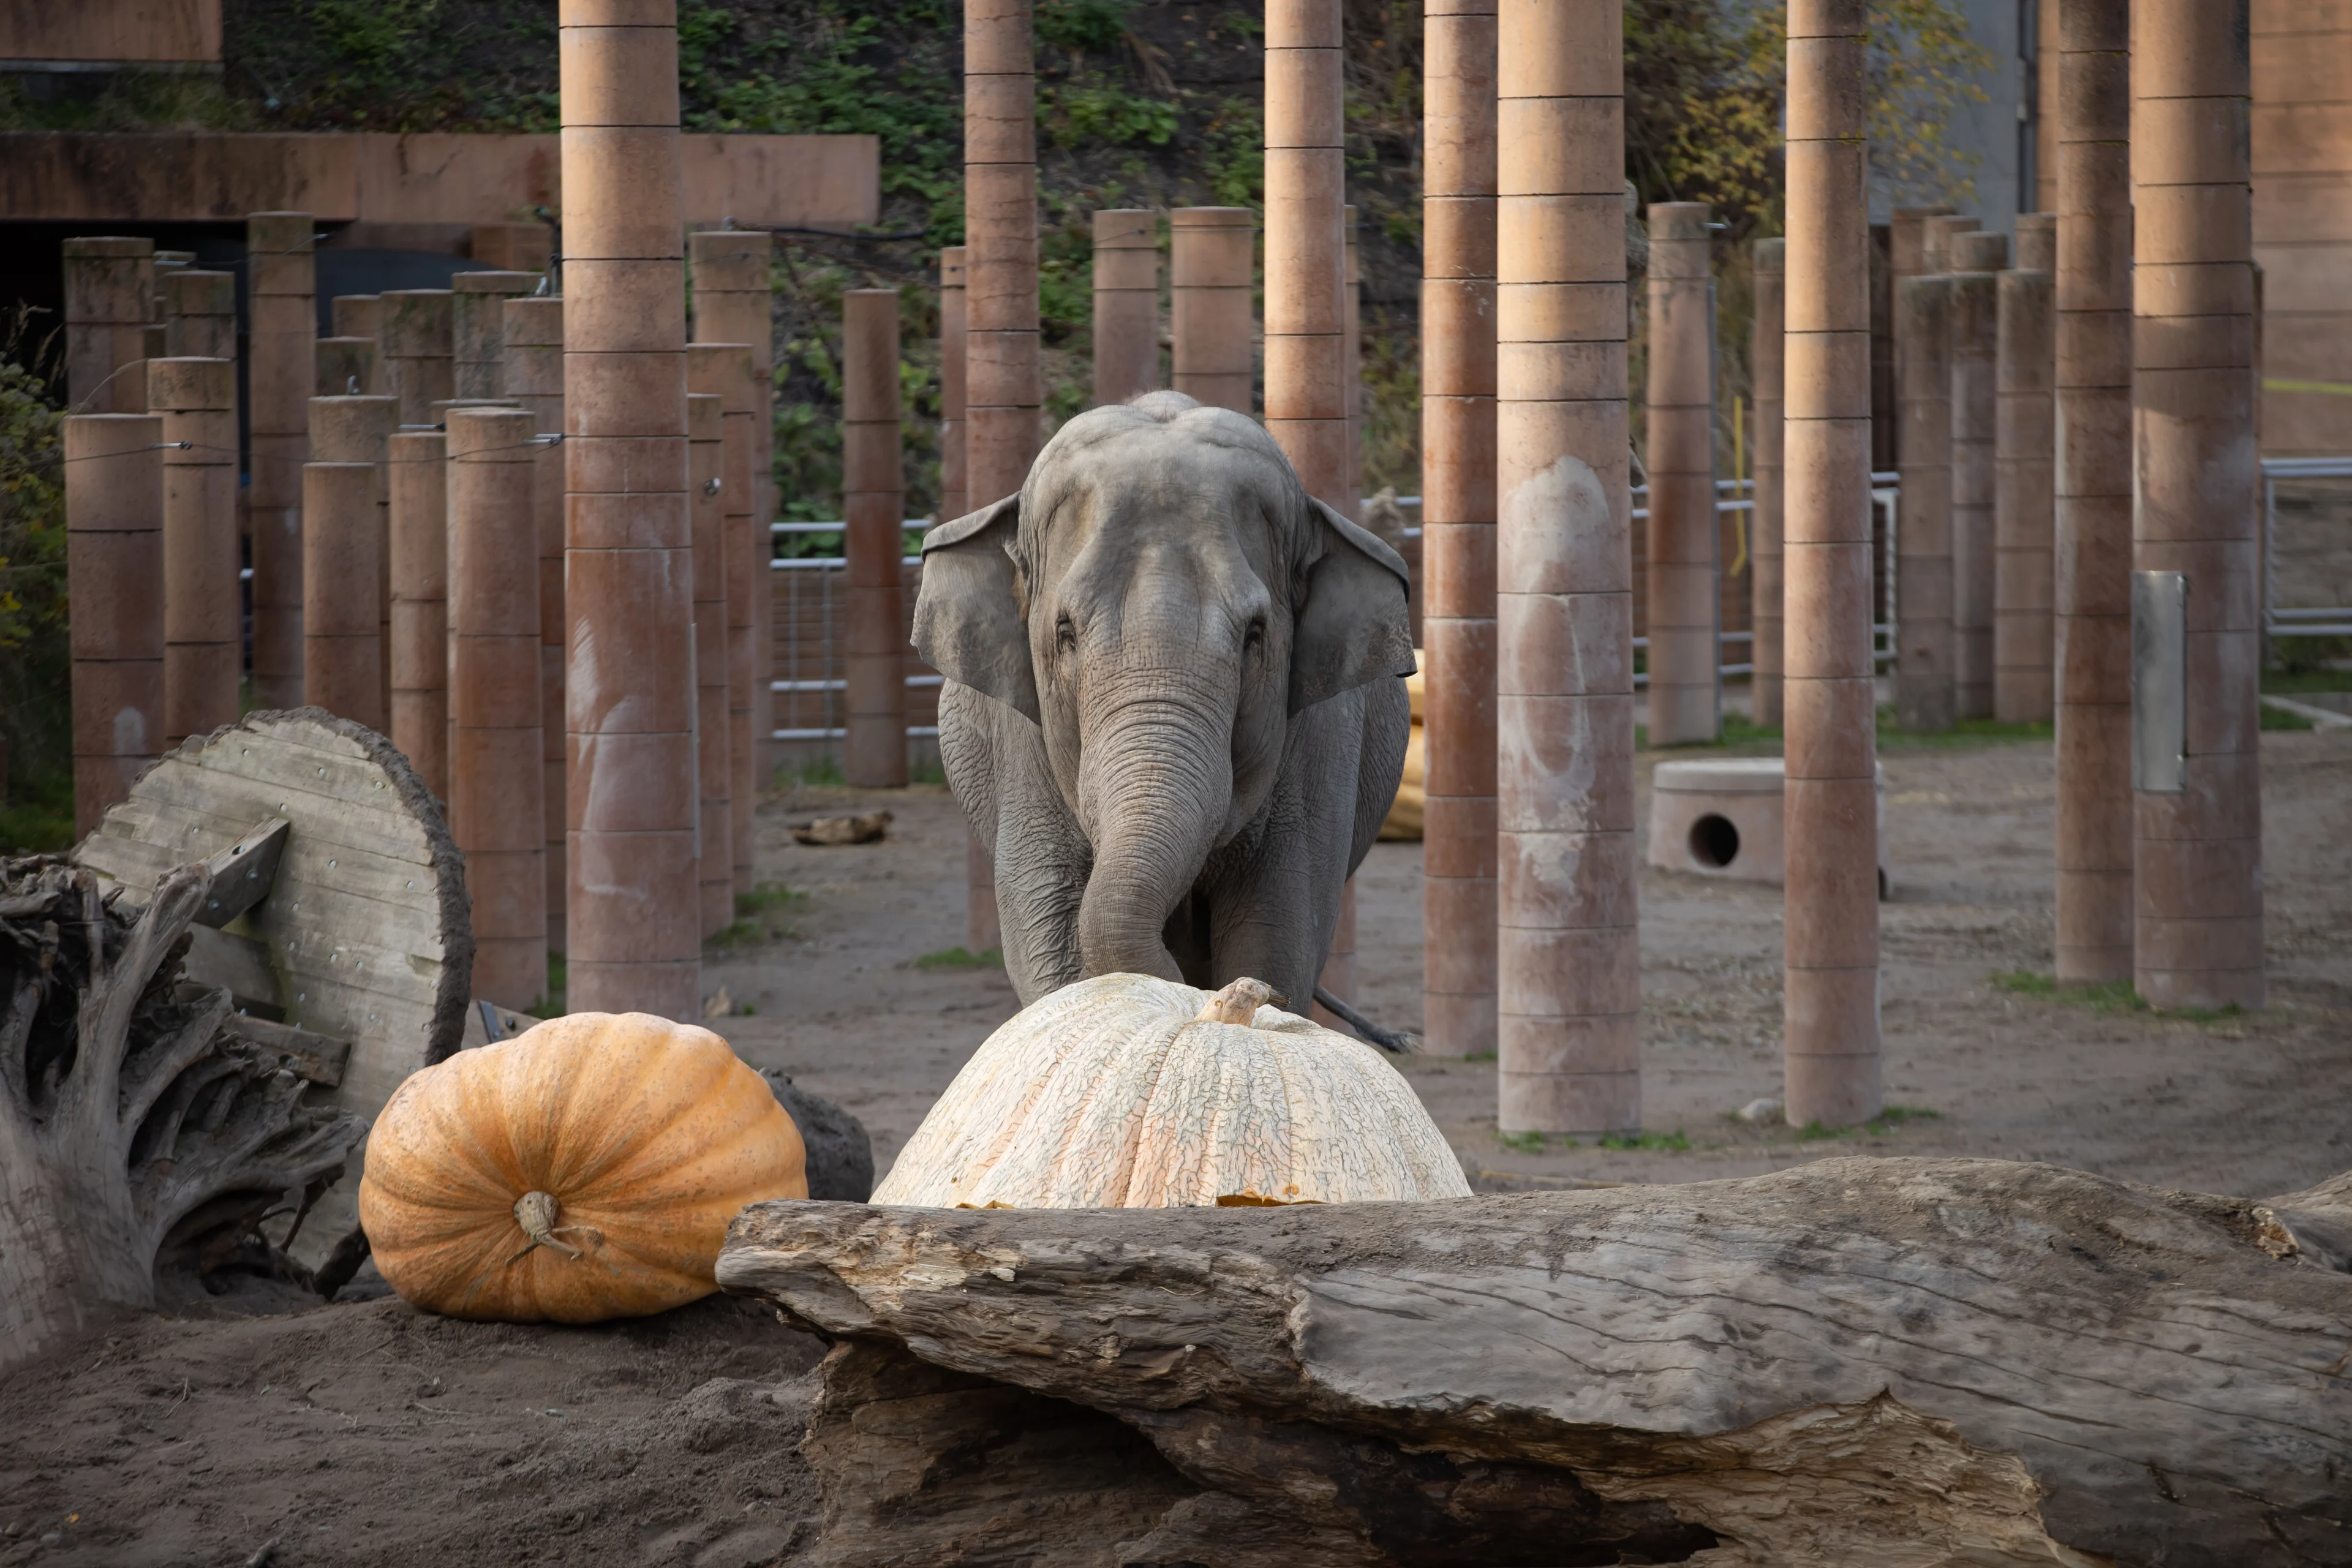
(634, 904)
(1127, 303)
(342, 653)
(1976, 259)
(1765, 361)
(203, 611)
(982, 932)
(2197, 847)
(1686, 612)
(199, 314)
(725, 371)
(532, 375)
(951, 383)
(1457, 514)
(1570, 1039)
(477, 330)
(1906, 257)
(1003, 389)
(346, 367)
(2026, 498)
(1924, 691)
(342, 430)
(494, 764)
(418, 350)
(1940, 233)
(873, 493)
(706, 473)
(734, 302)
(110, 290)
(1831, 1011)
(1352, 367)
(2093, 634)
(114, 568)
(417, 524)
(1306, 278)
(1212, 325)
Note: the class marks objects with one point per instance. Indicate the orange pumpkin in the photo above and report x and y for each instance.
(586, 1169)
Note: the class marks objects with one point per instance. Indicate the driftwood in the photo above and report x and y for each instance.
(1880, 1361)
(137, 1117)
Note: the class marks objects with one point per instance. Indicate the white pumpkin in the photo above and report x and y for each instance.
(1126, 1091)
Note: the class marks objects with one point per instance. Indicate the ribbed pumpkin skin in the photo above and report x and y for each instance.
(648, 1132)
(1110, 1094)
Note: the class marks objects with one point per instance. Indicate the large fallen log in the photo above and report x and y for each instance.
(1880, 1361)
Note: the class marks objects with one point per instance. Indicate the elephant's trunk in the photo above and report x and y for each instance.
(1154, 784)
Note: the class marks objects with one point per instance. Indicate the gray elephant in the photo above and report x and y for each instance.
(1174, 709)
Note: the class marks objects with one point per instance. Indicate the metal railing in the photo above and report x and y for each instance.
(2325, 621)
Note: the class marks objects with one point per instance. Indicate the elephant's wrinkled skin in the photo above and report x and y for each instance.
(1174, 709)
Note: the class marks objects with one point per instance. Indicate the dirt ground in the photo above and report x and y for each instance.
(370, 1433)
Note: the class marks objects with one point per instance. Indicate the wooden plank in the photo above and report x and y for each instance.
(313, 1058)
(243, 873)
(220, 807)
(358, 871)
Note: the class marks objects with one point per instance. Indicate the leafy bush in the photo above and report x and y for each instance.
(36, 665)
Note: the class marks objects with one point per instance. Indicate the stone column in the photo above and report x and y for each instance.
(1831, 1018)
(1457, 526)
(417, 522)
(1570, 1040)
(1306, 277)
(873, 493)
(1924, 691)
(1686, 612)
(2198, 850)
(734, 302)
(2048, 111)
(114, 570)
(418, 350)
(952, 387)
(1766, 357)
(1352, 368)
(1212, 325)
(203, 611)
(706, 437)
(110, 290)
(348, 430)
(1939, 235)
(494, 765)
(342, 652)
(1907, 247)
(1127, 303)
(532, 375)
(982, 932)
(2093, 635)
(199, 314)
(634, 902)
(281, 372)
(478, 329)
(2025, 499)
(1976, 260)
(357, 316)
(725, 370)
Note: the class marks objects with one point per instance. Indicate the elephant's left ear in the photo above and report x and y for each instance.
(1351, 628)
(968, 624)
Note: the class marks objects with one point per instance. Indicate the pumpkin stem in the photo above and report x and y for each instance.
(1238, 1004)
(536, 1213)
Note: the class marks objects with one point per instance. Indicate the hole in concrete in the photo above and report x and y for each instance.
(1713, 841)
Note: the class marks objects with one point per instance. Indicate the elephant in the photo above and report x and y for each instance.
(1174, 706)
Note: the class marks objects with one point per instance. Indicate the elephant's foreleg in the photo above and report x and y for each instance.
(995, 761)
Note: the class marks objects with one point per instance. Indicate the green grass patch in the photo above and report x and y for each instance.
(36, 827)
(758, 915)
(1478, 1055)
(559, 979)
(1966, 733)
(2269, 717)
(2292, 682)
(1523, 1142)
(1677, 1140)
(766, 898)
(2113, 997)
(1883, 1124)
(962, 958)
(822, 773)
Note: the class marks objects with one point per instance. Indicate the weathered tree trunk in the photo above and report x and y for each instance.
(1882, 1362)
(131, 1115)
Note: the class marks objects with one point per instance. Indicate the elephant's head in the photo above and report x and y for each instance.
(1160, 599)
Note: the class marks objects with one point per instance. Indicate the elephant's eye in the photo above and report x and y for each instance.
(1255, 638)
(1066, 635)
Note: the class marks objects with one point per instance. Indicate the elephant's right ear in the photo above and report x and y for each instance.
(967, 620)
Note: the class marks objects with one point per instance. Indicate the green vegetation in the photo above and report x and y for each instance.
(1966, 733)
(2294, 682)
(758, 915)
(559, 981)
(958, 958)
(1522, 1143)
(2114, 996)
(1885, 1123)
(36, 692)
(1676, 1140)
(2269, 717)
(822, 773)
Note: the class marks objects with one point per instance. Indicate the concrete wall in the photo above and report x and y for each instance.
(128, 32)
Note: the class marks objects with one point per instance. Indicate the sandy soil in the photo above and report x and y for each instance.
(369, 1434)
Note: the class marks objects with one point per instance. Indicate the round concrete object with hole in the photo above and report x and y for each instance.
(1723, 816)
